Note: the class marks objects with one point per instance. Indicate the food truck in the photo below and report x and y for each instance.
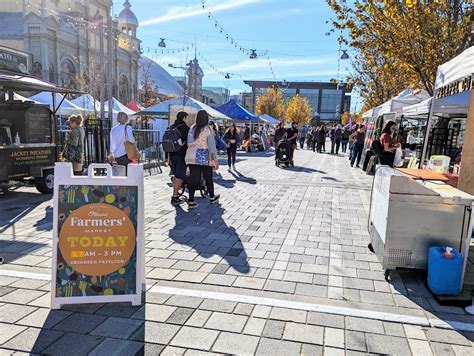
(27, 129)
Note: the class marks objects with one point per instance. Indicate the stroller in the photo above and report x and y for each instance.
(283, 153)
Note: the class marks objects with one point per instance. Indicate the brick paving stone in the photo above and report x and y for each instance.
(5, 290)
(120, 328)
(462, 350)
(220, 279)
(195, 338)
(244, 309)
(226, 322)
(21, 296)
(184, 301)
(180, 316)
(261, 311)
(394, 329)
(390, 345)
(298, 316)
(157, 333)
(447, 336)
(218, 305)
(118, 347)
(230, 343)
(161, 273)
(155, 312)
(73, 344)
(415, 332)
(273, 347)
(442, 349)
(9, 331)
(298, 277)
(355, 340)
(364, 325)
(334, 337)
(274, 329)
(335, 321)
(199, 318)
(44, 318)
(311, 350)
(311, 290)
(33, 340)
(188, 276)
(280, 286)
(80, 323)
(310, 334)
(420, 347)
(121, 310)
(254, 326)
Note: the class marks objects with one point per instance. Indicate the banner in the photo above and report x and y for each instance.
(14, 61)
(98, 234)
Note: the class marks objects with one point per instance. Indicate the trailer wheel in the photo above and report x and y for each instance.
(45, 184)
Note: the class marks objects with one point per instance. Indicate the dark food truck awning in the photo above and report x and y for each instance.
(21, 82)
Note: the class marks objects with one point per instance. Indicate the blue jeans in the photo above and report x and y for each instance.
(357, 153)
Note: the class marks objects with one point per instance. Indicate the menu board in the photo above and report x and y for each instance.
(37, 125)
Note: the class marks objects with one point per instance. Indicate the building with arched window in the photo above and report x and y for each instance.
(68, 41)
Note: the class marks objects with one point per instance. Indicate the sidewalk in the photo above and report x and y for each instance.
(281, 266)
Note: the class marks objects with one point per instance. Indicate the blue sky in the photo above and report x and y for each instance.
(292, 31)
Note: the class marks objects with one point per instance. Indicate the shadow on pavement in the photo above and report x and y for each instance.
(93, 329)
(304, 170)
(205, 230)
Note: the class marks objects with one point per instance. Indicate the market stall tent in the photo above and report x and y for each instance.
(117, 106)
(405, 98)
(238, 113)
(163, 108)
(270, 120)
(67, 108)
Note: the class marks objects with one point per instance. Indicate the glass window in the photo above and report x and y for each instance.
(331, 100)
(288, 94)
(327, 116)
(312, 95)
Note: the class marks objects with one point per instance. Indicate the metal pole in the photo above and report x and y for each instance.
(110, 65)
(427, 133)
(102, 67)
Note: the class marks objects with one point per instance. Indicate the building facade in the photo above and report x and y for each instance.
(69, 43)
(328, 100)
(215, 96)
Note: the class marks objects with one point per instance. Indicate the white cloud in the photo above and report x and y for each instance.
(182, 12)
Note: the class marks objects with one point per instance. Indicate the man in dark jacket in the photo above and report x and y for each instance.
(176, 159)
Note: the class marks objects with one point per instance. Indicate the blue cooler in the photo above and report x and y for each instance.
(444, 274)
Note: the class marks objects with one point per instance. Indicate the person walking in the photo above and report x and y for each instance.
(201, 157)
(74, 150)
(338, 137)
(292, 133)
(314, 138)
(351, 142)
(388, 143)
(176, 159)
(119, 134)
(280, 134)
(302, 137)
(358, 139)
(321, 139)
(345, 139)
(231, 137)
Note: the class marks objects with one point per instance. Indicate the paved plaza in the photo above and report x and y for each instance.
(279, 267)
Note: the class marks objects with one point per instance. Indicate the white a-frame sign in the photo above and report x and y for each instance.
(98, 249)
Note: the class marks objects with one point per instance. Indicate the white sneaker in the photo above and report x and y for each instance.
(229, 169)
(233, 167)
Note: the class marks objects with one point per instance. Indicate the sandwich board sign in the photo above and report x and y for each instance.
(98, 249)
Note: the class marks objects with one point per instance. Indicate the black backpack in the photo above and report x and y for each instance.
(170, 140)
(377, 147)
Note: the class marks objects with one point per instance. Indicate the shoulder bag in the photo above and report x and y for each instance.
(131, 148)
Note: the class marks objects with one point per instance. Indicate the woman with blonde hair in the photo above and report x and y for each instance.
(201, 157)
(74, 150)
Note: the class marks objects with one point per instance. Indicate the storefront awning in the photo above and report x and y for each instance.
(20, 82)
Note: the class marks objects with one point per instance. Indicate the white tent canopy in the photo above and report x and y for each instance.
(67, 107)
(87, 103)
(457, 68)
(117, 106)
(405, 98)
(422, 108)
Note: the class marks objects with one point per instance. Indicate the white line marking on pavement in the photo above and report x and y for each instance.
(280, 303)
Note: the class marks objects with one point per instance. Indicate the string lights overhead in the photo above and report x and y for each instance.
(252, 53)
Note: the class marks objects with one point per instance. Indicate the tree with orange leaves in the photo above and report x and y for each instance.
(271, 103)
(400, 43)
(298, 110)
